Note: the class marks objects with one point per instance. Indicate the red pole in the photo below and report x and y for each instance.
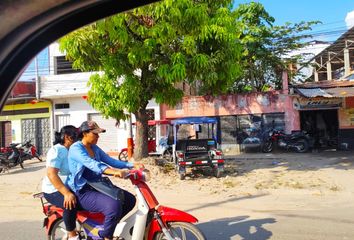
(130, 142)
(130, 147)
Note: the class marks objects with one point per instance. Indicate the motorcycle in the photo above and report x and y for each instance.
(298, 141)
(11, 158)
(29, 151)
(151, 220)
(163, 149)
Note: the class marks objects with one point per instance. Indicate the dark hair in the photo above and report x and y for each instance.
(80, 135)
(68, 130)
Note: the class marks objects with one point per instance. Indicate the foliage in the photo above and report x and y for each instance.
(266, 47)
(142, 55)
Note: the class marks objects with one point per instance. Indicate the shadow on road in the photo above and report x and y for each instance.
(18, 169)
(237, 228)
(225, 201)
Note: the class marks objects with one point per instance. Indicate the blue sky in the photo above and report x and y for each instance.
(43, 66)
(331, 13)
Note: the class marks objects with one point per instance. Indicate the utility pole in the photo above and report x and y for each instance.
(37, 77)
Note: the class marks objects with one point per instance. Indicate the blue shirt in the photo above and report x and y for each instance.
(83, 167)
(57, 157)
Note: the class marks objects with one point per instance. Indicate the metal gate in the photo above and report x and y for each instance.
(61, 121)
(37, 130)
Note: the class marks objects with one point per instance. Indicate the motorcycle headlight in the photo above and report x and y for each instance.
(146, 175)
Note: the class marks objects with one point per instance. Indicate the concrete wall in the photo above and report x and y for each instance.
(240, 104)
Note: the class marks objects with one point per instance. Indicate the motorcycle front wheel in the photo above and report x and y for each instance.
(167, 154)
(21, 163)
(58, 231)
(123, 156)
(183, 231)
(38, 157)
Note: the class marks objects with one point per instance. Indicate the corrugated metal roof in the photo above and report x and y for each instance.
(313, 92)
(341, 92)
(326, 84)
(326, 93)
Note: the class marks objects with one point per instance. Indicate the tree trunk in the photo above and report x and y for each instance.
(141, 138)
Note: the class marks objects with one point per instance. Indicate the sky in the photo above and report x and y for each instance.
(336, 17)
(332, 14)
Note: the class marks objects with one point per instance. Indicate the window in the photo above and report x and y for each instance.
(62, 105)
(63, 66)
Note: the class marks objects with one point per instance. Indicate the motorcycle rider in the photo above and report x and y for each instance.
(53, 185)
(88, 162)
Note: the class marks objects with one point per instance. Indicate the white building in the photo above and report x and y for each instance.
(67, 90)
(307, 54)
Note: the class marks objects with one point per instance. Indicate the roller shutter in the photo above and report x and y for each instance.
(108, 141)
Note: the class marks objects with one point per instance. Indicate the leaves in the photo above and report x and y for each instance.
(144, 53)
(266, 47)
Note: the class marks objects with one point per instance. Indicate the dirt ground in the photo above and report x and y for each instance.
(273, 196)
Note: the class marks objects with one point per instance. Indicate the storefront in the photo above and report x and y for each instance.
(27, 121)
(327, 113)
(319, 117)
(241, 116)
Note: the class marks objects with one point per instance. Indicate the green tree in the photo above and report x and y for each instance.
(266, 47)
(142, 54)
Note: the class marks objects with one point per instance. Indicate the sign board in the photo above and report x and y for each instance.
(317, 103)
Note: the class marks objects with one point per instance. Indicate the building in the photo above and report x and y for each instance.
(66, 89)
(25, 118)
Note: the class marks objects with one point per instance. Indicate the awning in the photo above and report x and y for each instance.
(313, 92)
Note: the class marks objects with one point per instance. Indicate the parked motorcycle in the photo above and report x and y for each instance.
(150, 221)
(11, 158)
(29, 151)
(298, 141)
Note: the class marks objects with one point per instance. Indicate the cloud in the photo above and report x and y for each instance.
(349, 19)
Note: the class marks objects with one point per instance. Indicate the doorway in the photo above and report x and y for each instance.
(5, 134)
(322, 125)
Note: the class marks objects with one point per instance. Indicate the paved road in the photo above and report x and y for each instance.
(232, 218)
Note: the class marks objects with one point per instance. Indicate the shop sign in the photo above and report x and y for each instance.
(317, 103)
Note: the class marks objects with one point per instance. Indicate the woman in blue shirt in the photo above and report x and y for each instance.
(87, 162)
(53, 185)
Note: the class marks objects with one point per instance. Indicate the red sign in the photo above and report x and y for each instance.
(349, 102)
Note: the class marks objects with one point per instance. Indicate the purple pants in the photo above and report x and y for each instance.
(113, 210)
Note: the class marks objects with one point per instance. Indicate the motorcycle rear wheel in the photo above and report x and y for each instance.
(301, 146)
(267, 147)
(182, 230)
(58, 231)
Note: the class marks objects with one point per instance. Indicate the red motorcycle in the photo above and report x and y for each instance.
(29, 151)
(26, 150)
(151, 220)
